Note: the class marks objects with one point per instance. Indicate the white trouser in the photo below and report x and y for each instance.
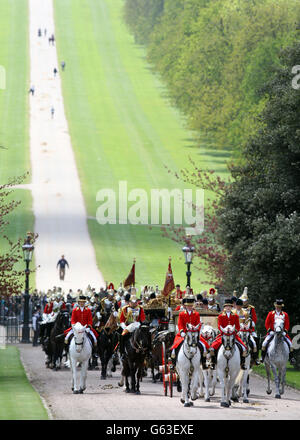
(87, 331)
(131, 327)
(270, 335)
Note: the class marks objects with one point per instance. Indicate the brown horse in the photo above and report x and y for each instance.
(157, 338)
(107, 341)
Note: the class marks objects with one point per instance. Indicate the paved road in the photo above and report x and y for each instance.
(104, 400)
(58, 204)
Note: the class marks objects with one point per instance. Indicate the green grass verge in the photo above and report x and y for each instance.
(292, 375)
(122, 129)
(18, 399)
(14, 114)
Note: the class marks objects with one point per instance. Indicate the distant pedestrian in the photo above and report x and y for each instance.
(45, 32)
(63, 65)
(55, 71)
(62, 263)
(52, 112)
(39, 33)
(36, 319)
(31, 90)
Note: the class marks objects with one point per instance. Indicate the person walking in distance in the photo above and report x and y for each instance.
(63, 65)
(31, 90)
(62, 263)
(55, 71)
(52, 112)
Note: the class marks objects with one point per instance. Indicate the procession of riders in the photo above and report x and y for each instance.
(123, 308)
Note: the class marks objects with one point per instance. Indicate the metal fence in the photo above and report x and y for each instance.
(11, 331)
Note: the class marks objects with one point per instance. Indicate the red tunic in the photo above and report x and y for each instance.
(269, 323)
(124, 315)
(185, 318)
(179, 294)
(48, 308)
(223, 321)
(83, 316)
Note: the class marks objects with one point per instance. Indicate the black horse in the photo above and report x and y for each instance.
(107, 342)
(54, 348)
(137, 347)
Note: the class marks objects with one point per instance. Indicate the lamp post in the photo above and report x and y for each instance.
(188, 251)
(27, 254)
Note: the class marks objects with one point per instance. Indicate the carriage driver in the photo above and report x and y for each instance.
(83, 315)
(188, 316)
(227, 317)
(131, 317)
(270, 324)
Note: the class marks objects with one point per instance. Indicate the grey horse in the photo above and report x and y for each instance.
(276, 359)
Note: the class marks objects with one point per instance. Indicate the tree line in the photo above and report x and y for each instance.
(228, 67)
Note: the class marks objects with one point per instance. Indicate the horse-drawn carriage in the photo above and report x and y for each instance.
(169, 374)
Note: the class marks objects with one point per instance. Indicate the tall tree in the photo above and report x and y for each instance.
(259, 218)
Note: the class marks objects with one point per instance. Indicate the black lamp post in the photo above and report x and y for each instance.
(27, 254)
(188, 251)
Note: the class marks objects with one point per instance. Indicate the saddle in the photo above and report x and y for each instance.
(200, 346)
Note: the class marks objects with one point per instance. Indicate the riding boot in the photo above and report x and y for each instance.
(292, 359)
(263, 354)
(212, 359)
(243, 366)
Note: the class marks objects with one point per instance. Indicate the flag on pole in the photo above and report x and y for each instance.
(130, 280)
(169, 283)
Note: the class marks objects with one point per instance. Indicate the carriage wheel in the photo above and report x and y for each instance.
(171, 373)
(165, 367)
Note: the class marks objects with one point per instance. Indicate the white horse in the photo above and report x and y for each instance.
(188, 365)
(80, 351)
(276, 358)
(208, 376)
(228, 364)
(241, 386)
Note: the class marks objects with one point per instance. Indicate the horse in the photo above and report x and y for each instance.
(62, 322)
(241, 386)
(276, 358)
(80, 351)
(188, 365)
(106, 343)
(209, 375)
(228, 364)
(136, 349)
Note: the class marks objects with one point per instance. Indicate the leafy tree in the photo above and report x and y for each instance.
(259, 217)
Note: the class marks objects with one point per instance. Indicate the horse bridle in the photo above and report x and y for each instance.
(227, 347)
(193, 344)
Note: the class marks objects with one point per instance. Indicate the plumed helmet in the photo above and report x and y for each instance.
(279, 302)
(244, 296)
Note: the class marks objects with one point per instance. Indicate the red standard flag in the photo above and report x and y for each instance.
(169, 283)
(130, 280)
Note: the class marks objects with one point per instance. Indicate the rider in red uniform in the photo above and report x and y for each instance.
(269, 324)
(224, 319)
(189, 316)
(83, 315)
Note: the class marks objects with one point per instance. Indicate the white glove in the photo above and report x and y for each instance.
(115, 314)
(284, 333)
(123, 325)
(271, 332)
(182, 334)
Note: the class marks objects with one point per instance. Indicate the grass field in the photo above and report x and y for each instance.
(18, 399)
(292, 375)
(122, 129)
(14, 120)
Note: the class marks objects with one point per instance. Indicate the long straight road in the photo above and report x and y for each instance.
(58, 205)
(105, 400)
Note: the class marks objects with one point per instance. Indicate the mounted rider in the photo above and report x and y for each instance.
(188, 316)
(212, 302)
(46, 324)
(132, 316)
(271, 319)
(227, 317)
(246, 323)
(83, 315)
